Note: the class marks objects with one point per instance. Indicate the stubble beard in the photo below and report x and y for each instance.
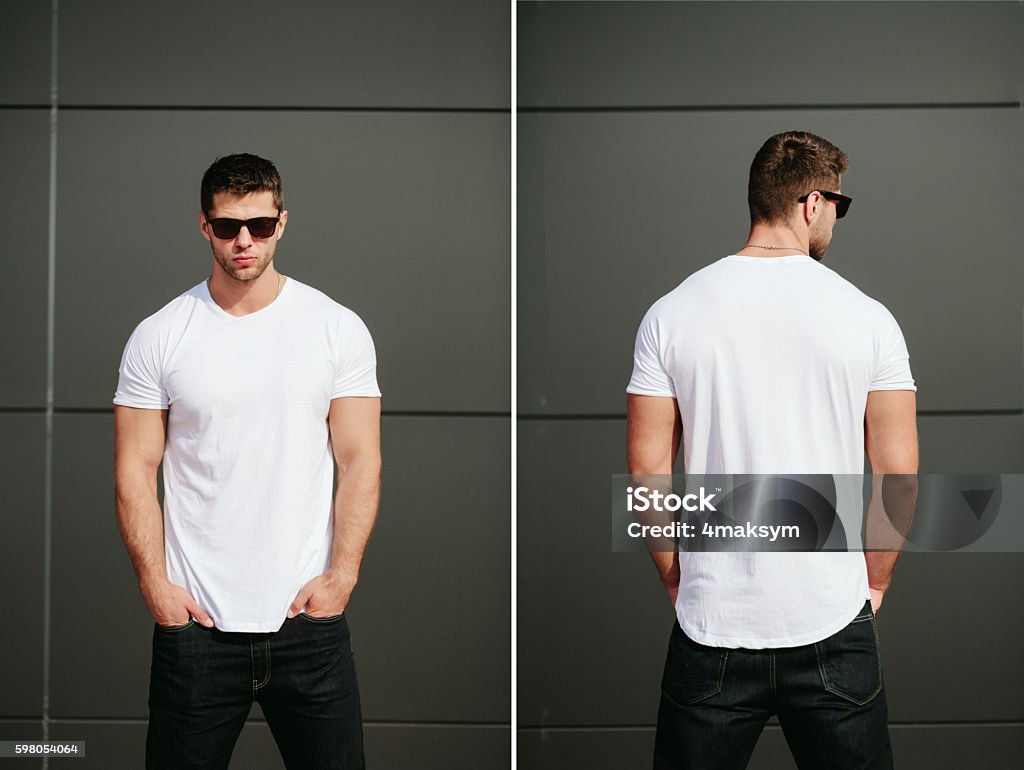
(817, 244)
(243, 273)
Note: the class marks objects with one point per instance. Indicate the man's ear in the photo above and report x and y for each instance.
(811, 207)
(203, 225)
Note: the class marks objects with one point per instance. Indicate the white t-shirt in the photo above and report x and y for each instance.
(771, 361)
(248, 469)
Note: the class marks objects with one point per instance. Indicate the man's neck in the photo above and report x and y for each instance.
(784, 240)
(239, 298)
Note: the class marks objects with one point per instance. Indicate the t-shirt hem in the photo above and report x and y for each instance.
(902, 386)
(356, 394)
(644, 392)
(139, 404)
(262, 627)
(751, 643)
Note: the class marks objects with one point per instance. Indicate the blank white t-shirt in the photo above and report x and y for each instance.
(770, 361)
(248, 469)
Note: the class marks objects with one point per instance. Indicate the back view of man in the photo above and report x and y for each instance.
(767, 362)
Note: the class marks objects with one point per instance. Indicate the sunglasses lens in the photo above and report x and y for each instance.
(842, 206)
(262, 227)
(225, 229)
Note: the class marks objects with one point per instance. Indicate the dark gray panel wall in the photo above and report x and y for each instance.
(640, 122)
(624, 206)
(402, 217)
(22, 730)
(22, 471)
(25, 48)
(395, 53)
(755, 53)
(25, 158)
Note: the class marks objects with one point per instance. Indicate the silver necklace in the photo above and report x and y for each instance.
(788, 248)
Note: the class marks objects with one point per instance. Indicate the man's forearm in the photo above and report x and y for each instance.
(889, 519)
(141, 523)
(667, 564)
(355, 511)
(881, 565)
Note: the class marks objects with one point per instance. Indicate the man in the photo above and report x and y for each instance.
(243, 386)
(767, 362)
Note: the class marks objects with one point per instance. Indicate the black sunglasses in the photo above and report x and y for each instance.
(842, 201)
(260, 227)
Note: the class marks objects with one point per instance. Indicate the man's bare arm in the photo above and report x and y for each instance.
(890, 439)
(139, 436)
(653, 432)
(355, 436)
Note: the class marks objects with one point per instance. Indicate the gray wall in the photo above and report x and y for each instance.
(637, 125)
(390, 124)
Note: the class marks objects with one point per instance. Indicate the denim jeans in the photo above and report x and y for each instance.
(828, 696)
(203, 683)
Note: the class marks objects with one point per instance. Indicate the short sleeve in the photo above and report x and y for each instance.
(649, 375)
(892, 365)
(140, 376)
(356, 365)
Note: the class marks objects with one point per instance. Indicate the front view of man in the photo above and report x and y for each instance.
(244, 386)
(767, 362)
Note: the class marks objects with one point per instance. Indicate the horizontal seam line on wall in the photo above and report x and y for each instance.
(651, 728)
(366, 723)
(773, 107)
(250, 108)
(385, 413)
(920, 413)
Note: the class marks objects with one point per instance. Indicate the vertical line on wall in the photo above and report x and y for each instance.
(513, 392)
(51, 268)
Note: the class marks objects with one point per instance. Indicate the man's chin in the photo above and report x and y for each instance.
(245, 273)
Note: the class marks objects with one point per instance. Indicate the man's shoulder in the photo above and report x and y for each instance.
(855, 294)
(171, 314)
(315, 300)
(693, 286)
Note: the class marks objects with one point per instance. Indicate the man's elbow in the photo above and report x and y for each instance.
(366, 465)
(895, 463)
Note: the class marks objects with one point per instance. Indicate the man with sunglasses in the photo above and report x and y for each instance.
(768, 362)
(247, 388)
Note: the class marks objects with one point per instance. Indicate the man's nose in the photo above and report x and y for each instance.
(243, 240)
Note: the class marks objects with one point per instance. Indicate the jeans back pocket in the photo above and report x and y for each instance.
(693, 672)
(849, 663)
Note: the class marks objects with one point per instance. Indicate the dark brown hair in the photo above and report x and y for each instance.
(788, 166)
(240, 174)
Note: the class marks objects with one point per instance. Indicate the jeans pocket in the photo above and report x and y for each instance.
(693, 672)
(182, 627)
(328, 619)
(849, 663)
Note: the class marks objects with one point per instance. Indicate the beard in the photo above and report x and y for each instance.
(818, 241)
(243, 273)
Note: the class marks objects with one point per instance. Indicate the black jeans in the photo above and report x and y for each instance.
(203, 683)
(828, 696)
